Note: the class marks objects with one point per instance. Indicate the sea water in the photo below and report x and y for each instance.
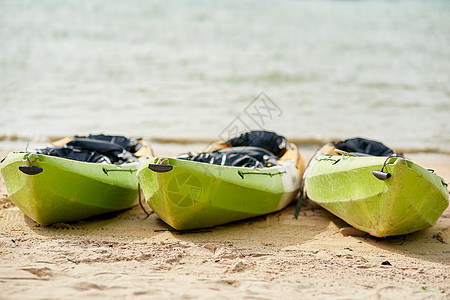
(206, 69)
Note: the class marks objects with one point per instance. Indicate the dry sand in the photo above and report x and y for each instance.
(127, 255)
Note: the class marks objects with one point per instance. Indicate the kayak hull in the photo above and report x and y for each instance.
(197, 195)
(412, 198)
(68, 190)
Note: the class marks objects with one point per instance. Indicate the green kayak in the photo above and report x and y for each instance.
(51, 189)
(189, 194)
(382, 195)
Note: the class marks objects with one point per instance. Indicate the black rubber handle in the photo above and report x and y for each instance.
(381, 175)
(31, 170)
(160, 168)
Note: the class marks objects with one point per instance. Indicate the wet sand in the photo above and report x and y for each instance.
(126, 255)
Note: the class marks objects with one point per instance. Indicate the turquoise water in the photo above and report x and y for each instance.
(192, 69)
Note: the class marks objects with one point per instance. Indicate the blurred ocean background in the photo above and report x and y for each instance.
(191, 69)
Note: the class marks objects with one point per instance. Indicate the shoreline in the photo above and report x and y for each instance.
(125, 254)
(310, 144)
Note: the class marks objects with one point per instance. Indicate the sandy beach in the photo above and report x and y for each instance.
(183, 74)
(128, 255)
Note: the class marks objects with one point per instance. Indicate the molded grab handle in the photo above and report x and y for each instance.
(381, 175)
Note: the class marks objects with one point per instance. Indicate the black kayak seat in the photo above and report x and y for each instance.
(247, 156)
(364, 147)
(97, 149)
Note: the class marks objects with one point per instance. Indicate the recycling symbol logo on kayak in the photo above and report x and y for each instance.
(184, 189)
